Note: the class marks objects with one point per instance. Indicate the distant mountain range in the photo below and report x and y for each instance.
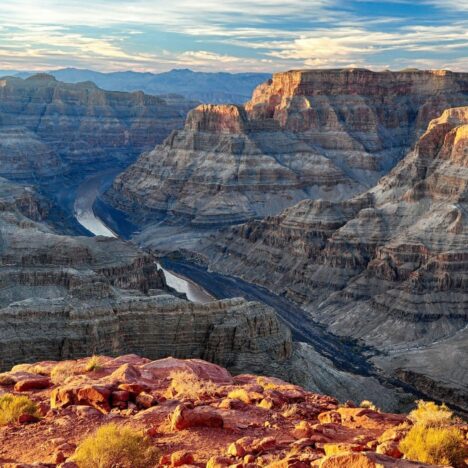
(233, 88)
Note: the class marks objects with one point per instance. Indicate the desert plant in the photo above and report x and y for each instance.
(94, 363)
(62, 372)
(240, 394)
(429, 414)
(13, 406)
(434, 445)
(114, 446)
(187, 385)
(369, 405)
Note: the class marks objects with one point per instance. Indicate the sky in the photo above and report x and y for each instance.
(233, 35)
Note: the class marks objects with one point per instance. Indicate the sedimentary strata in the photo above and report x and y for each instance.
(48, 127)
(317, 134)
(388, 267)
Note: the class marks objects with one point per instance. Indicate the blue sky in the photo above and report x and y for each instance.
(233, 35)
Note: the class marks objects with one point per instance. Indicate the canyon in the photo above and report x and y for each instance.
(318, 134)
(50, 129)
(387, 267)
(384, 266)
(365, 269)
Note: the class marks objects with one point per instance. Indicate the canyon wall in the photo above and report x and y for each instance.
(49, 128)
(387, 267)
(318, 134)
(64, 297)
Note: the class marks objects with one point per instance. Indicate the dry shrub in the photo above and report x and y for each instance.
(368, 405)
(434, 445)
(291, 411)
(433, 438)
(187, 385)
(266, 384)
(5, 379)
(94, 363)
(114, 446)
(430, 414)
(62, 371)
(240, 394)
(13, 406)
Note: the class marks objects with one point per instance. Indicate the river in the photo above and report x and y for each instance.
(86, 195)
(201, 285)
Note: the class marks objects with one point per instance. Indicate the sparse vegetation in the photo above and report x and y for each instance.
(94, 364)
(186, 385)
(433, 438)
(114, 446)
(369, 405)
(430, 414)
(240, 394)
(435, 445)
(13, 406)
(62, 372)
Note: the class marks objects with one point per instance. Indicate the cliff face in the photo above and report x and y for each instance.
(387, 267)
(75, 127)
(63, 297)
(325, 134)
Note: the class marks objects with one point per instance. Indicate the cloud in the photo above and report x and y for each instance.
(232, 35)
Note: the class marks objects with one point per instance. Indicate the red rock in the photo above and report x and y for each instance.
(236, 450)
(182, 458)
(134, 388)
(218, 462)
(330, 417)
(145, 400)
(95, 396)
(28, 419)
(163, 368)
(126, 373)
(120, 398)
(38, 383)
(184, 418)
(267, 443)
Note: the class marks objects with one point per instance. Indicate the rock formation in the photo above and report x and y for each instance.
(319, 134)
(388, 267)
(48, 127)
(196, 414)
(64, 297)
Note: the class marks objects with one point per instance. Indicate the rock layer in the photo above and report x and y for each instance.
(49, 127)
(388, 267)
(324, 134)
(63, 297)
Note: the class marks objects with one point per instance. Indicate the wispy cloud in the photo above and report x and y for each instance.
(232, 35)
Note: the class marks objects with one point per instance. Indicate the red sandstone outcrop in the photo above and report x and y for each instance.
(197, 429)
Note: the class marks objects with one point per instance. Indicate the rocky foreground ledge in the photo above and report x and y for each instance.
(195, 414)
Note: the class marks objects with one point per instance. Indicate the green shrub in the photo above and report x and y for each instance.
(435, 445)
(368, 405)
(113, 446)
(13, 406)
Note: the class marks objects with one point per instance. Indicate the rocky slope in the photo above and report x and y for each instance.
(324, 134)
(196, 414)
(49, 128)
(388, 267)
(63, 297)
